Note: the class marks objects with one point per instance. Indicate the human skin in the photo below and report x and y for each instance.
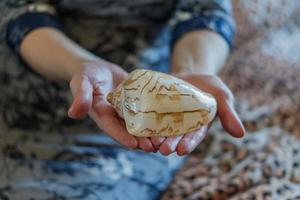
(197, 58)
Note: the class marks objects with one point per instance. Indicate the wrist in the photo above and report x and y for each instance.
(188, 65)
(201, 52)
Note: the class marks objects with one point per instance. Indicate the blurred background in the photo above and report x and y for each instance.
(263, 71)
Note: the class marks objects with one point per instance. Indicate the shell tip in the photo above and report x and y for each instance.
(109, 97)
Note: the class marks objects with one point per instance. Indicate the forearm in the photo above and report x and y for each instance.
(51, 53)
(201, 52)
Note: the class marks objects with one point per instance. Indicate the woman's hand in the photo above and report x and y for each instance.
(185, 144)
(197, 53)
(90, 86)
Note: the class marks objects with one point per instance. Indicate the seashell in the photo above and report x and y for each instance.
(157, 104)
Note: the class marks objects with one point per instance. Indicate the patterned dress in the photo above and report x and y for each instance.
(46, 155)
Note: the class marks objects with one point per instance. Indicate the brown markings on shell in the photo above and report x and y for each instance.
(118, 109)
(155, 133)
(176, 132)
(170, 129)
(202, 112)
(113, 96)
(131, 112)
(177, 116)
(148, 82)
(130, 125)
(204, 115)
(205, 118)
(132, 99)
(110, 97)
(155, 85)
(175, 97)
(130, 81)
(172, 88)
(114, 99)
(172, 97)
(165, 76)
(163, 129)
(159, 97)
(152, 132)
(134, 88)
(197, 125)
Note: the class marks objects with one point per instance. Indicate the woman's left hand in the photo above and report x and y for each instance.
(185, 144)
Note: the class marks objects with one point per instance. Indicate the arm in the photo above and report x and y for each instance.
(51, 53)
(37, 38)
(200, 52)
(201, 40)
(34, 30)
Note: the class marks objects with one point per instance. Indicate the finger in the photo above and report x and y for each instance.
(82, 91)
(226, 112)
(229, 119)
(157, 141)
(112, 126)
(169, 145)
(145, 144)
(190, 141)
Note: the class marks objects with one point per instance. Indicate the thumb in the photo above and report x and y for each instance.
(82, 90)
(230, 120)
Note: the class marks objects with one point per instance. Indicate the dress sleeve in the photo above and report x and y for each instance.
(20, 18)
(214, 15)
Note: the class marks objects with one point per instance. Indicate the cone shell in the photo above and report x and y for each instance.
(158, 104)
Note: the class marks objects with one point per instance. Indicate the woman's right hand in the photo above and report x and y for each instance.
(90, 86)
